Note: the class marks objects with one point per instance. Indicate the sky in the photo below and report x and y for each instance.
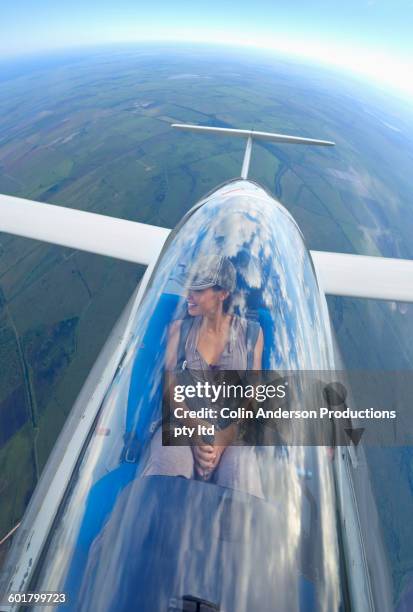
(366, 37)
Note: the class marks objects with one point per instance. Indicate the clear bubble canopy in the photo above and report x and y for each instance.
(124, 541)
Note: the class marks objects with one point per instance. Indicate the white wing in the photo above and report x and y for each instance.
(128, 240)
(381, 278)
(338, 274)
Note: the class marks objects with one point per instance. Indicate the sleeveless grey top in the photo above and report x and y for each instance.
(234, 355)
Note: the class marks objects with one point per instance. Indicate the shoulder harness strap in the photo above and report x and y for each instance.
(183, 335)
(253, 329)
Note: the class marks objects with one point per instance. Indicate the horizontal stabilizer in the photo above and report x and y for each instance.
(86, 231)
(362, 276)
(284, 138)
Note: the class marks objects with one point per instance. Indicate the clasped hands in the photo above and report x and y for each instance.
(206, 459)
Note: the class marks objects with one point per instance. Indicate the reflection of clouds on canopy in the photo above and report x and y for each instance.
(274, 273)
(275, 276)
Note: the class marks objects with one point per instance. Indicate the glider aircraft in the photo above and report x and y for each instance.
(97, 535)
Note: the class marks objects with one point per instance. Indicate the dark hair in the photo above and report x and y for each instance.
(227, 302)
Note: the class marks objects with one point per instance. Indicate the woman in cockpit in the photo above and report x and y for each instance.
(211, 339)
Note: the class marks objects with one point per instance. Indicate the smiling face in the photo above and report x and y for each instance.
(206, 302)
